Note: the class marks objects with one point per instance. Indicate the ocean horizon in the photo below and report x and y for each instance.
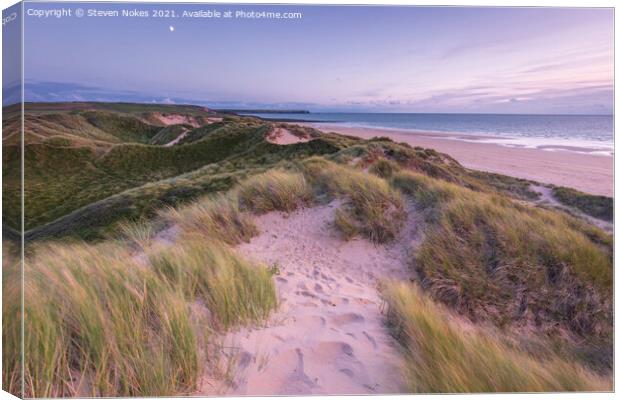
(593, 134)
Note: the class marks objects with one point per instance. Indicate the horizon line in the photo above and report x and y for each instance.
(281, 110)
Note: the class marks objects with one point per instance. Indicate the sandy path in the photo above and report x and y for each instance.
(547, 198)
(329, 334)
(586, 172)
(177, 139)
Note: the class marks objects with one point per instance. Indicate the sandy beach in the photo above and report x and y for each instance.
(586, 172)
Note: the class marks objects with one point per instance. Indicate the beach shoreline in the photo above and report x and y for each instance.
(568, 166)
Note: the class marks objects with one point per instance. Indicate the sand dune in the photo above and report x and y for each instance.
(585, 172)
(283, 136)
(176, 119)
(329, 334)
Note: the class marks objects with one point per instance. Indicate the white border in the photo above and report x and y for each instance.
(463, 3)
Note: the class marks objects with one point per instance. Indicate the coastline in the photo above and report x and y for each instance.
(588, 173)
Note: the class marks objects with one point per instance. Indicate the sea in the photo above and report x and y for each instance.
(593, 134)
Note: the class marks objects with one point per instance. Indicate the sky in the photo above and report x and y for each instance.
(335, 58)
(11, 50)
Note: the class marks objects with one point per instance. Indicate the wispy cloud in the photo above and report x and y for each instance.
(342, 58)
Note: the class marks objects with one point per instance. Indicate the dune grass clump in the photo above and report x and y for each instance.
(442, 357)
(371, 207)
(217, 217)
(98, 324)
(384, 168)
(493, 258)
(233, 289)
(600, 207)
(139, 233)
(274, 190)
(11, 318)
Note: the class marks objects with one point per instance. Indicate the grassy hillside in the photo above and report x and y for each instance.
(85, 153)
(133, 272)
(89, 156)
(490, 257)
(169, 133)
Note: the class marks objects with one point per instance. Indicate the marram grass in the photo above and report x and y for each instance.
(443, 357)
(370, 206)
(217, 217)
(98, 322)
(11, 318)
(491, 257)
(274, 190)
(93, 313)
(233, 289)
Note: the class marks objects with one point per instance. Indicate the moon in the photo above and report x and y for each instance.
(171, 28)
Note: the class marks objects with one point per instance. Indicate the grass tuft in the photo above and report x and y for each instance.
(233, 290)
(384, 168)
(346, 224)
(443, 357)
(11, 318)
(140, 233)
(371, 207)
(217, 217)
(274, 190)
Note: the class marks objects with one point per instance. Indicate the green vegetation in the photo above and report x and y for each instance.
(233, 290)
(94, 314)
(515, 187)
(443, 356)
(125, 314)
(600, 207)
(217, 216)
(72, 163)
(197, 134)
(490, 257)
(11, 317)
(274, 191)
(169, 133)
(138, 233)
(125, 128)
(384, 168)
(371, 207)
(123, 328)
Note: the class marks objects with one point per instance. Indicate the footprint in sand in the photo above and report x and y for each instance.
(331, 338)
(370, 339)
(328, 302)
(347, 318)
(311, 321)
(347, 372)
(331, 350)
(244, 359)
(298, 382)
(306, 293)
